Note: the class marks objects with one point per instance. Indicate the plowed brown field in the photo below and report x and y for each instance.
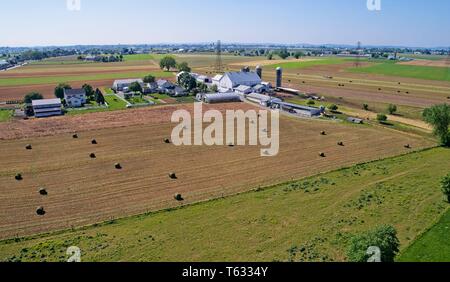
(83, 191)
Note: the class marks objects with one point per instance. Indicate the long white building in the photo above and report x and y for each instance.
(231, 80)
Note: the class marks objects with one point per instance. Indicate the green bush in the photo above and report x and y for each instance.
(382, 118)
(446, 187)
(383, 237)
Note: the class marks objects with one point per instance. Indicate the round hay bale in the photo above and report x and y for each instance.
(75, 136)
(172, 175)
(43, 192)
(407, 92)
(321, 154)
(19, 177)
(231, 145)
(379, 89)
(178, 197)
(167, 141)
(40, 211)
(94, 142)
(29, 147)
(93, 156)
(340, 143)
(407, 146)
(118, 166)
(323, 133)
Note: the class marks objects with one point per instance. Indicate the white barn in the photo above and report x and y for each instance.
(231, 80)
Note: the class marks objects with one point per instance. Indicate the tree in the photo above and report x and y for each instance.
(214, 88)
(149, 79)
(383, 237)
(187, 81)
(202, 87)
(32, 96)
(439, 117)
(184, 67)
(446, 187)
(299, 54)
(99, 98)
(167, 63)
(382, 118)
(366, 107)
(59, 90)
(135, 87)
(283, 53)
(270, 56)
(392, 109)
(89, 91)
(333, 107)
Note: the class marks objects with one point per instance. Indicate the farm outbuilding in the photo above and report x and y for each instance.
(355, 120)
(124, 84)
(47, 107)
(263, 100)
(298, 109)
(228, 97)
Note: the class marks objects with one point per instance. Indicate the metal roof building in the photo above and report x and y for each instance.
(219, 98)
(47, 107)
(263, 100)
(299, 109)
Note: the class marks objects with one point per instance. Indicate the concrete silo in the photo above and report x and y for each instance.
(279, 77)
(259, 71)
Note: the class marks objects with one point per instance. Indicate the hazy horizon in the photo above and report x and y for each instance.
(402, 23)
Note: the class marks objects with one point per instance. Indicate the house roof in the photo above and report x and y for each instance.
(46, 102)
(243, 88)
(161, 82)
(243, 77)
(3, 62)
(128, 81)
(218, 77)
(70, 92)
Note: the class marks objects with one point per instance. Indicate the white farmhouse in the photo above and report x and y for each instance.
(231, 80)
(75, 98)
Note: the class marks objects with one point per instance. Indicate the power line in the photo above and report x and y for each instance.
(219, 64)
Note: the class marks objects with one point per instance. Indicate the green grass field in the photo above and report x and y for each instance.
(311, 63)
(5, 115)
(433, 246)
(140, 57)
(115, 103)
(74, 78)
(306, 220)
(419, 72)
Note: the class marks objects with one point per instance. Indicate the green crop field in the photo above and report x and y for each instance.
(140, 57)
(74, 78)
(306, 220)
(433, 246)
(310, 63)
(419, 72)
(5, 115)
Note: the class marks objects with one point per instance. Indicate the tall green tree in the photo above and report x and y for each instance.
(135, 87)
(383, 237)
(392, 109)
(32, 96)
(99, 98)
(167, 63)
(59, 90)
(184, 66)
(149, 79)
(89, 91)
(439, 117)
(187, 81)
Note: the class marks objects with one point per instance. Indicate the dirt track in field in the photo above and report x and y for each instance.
(428, 63)
(83, 191)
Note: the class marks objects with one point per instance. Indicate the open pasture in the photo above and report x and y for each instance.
(306, 220)
(83, 190)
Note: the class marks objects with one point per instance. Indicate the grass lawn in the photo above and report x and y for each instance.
(140, 57)
(115, 103)
(72, 78)
(317, 215)
(433, 246)
(137, 100)
(419, 72)
(5, 115)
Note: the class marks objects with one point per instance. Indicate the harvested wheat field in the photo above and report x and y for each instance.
(82, 189)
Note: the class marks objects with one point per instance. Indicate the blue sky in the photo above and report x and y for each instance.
(417, 23)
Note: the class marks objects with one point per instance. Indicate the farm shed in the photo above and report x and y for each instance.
(75, 98)
(243, 89)
(298, 109)
(124, 84)
(47, 107)
(232, 80)
(263, 100)
(220, 98)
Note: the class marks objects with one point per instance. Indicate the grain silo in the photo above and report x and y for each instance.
(279, 77)
(259, 71)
